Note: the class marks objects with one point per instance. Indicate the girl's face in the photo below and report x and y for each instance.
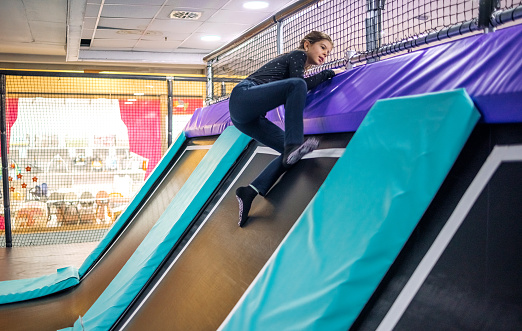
(317, 52)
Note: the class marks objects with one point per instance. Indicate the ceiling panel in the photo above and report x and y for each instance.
(87, 34)
(91, 10)
(122, 23)
(240, 17)
(49, 11)
(157, 46)
(202, 4)
(180, 26)
(112, 43)
(89, 23)
(127, 11)
(223, 28)
(13, 23)
(118, 34)
(135, 2)
(194, 41)
(48, 32)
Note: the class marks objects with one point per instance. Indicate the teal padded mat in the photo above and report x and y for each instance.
(142, 194)
(335, 256)
(165, 233)
(25, 289)
(30, 288)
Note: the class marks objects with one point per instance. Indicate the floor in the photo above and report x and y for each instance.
(35, 261)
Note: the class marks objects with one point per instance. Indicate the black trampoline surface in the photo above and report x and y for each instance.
(209, 270)
(62, 309)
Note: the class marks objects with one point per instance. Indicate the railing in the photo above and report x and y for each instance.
(363, 32)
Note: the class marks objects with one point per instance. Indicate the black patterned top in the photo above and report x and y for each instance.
(287, 66)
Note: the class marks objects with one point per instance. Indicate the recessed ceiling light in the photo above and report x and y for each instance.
(139, 93)
(255, 5)
(210, 38)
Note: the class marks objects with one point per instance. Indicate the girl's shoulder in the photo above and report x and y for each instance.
(297, 52)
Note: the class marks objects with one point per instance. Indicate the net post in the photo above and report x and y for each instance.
(170, 100)
(486, 9)
(5, 171)
(373, 24)
(279, 37)
(210, 82)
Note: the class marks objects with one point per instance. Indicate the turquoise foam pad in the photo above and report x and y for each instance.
(142, 194)
(332, 260)
(165, 233)
(25, 289)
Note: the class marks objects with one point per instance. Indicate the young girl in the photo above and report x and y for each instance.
(279, 82)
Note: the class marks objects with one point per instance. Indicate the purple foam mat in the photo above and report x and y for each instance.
(488, 66)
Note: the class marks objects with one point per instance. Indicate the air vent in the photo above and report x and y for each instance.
(85, 42)
(185, 15)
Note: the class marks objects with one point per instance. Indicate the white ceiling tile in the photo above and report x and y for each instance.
(210, 4)
(89, 23)
(122, 23)
(127, 11)
(92, 10)
(135, 2)
(13, 23)
(171, 36)
(118, 34)
(157, 46)
(240, 17)
(194, 41)
(50, 32)
(223, 28)
(112, 43)
(87, 34)
(48, 11)
(178, 26)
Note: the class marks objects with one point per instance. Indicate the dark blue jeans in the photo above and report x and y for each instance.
(248, 106)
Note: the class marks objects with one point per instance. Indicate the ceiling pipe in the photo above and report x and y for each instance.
(75, 13)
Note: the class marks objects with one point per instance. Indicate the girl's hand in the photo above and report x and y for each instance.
(338, 70)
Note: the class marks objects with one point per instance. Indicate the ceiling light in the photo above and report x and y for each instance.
(255, 5)
(132, 99)
(210, 38)
(139, 93)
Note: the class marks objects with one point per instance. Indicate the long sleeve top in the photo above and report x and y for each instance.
(287, 66)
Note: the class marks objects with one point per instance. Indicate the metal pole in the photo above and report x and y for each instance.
(210, 83)
(374, 26)
(486, 9)
(170, 100)
(5, 171)
(280, 37)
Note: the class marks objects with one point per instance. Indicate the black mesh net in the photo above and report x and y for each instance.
(358, 27)
(79, 148)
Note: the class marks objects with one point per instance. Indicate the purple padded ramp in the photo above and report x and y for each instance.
(488, 66)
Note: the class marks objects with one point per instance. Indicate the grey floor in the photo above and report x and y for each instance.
(35, 261)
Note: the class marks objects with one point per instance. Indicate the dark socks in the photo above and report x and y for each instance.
(244, 195)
